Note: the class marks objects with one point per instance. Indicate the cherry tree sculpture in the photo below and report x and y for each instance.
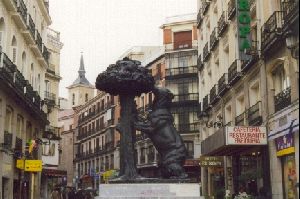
(128, 79)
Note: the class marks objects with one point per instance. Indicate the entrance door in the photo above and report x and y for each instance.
(16, 189)
(5, 187)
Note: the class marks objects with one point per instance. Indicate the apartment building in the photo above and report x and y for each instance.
(27, 59)
(96, 141)
(241, 46)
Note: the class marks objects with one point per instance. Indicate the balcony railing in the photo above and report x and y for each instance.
(253, 51)
(31, 25)
(271, 31)
(291, 10)
(234, 72)
(205, 5)
(283, 99)
(206, 52)
(45, 53)
(184, 128)
(231, 9)
(213, 39)
(50, 97)
(186, 97)
(181, 71)
(8, 68)
(182, 45)
(254, 115)
(39, 41)
(20, 81)
(205, 103)
(199, 18)
(213, 94)
(22, 10)
(222, 24)
(222, 84)
(240, 120)
(200, 64)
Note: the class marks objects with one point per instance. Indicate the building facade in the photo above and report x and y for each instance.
(25, 62)
(242, 81)
(96, 141)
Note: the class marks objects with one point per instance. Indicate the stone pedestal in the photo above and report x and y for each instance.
(149, 191)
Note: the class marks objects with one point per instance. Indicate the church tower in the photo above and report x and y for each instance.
(81, 90)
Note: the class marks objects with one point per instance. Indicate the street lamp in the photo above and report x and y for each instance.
(204, 117)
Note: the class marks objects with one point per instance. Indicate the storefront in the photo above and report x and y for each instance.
(246, 161)
(284, 139)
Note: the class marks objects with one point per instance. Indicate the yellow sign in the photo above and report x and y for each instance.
(20, 164)
(33, 165)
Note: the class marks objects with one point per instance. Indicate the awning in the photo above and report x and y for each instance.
(291, 127)
(54, 173)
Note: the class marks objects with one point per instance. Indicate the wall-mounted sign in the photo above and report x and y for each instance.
(20, 164)
(211, 161)
(244, 28)
(243, 135)
(285, 145)
(33, 165)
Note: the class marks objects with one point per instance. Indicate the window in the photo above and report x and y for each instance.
(8, 119)
(20, 126)
(2, 28)
(23, 66)
(73, 99)
(280, 79)
(254, 95)
(14, 49)
(190, 148)
(240, 104)
(86, 97)
(32, 75)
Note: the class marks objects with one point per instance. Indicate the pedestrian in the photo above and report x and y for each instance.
(79, 194)
(56, 194)
(72, 194)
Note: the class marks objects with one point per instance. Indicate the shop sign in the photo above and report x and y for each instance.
(33, 165)
(20, 164)
(243, 135)
(285, 145)
(211, 161)
(244, 28)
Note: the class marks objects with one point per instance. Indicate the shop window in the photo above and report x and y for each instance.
(290, 176)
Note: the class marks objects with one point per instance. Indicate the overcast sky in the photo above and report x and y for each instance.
(105, 29)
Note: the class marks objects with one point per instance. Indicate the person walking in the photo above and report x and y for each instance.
(56, 194)
(72, 194)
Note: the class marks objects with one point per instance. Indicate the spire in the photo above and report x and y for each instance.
(81, 79)
(81, 71)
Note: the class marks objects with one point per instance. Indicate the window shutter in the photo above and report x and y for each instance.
(14, 58)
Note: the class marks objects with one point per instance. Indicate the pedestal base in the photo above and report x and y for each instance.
(149, 191)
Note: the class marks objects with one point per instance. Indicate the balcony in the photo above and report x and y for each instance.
(222, 84)
(254, 115)
(20, 17)
(291, 14)
(29, 32)
(182, 45)
(271, 31)
(199, 18)
(206, 52)
(213, 94)
(205, 5)
(240, 120)
(200, 64)
(222, 24)
(11, 5)
(49, 98)
(188, 98)
(234, 72)
(205, 103)
(213, 39)
(283, 99)
(181, 72)
(187, 128)
(253, 51)
(231, 9)
(15, 84)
